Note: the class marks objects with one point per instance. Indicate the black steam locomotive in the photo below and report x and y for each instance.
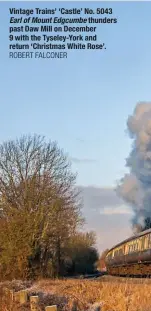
(131, 257)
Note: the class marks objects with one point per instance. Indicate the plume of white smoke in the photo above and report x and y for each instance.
(135, 187)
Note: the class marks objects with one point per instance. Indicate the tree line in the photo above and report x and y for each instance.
(40, 213)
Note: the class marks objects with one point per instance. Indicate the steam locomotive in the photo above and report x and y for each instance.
(132, 257)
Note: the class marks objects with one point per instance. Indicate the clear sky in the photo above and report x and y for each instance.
(82, 102)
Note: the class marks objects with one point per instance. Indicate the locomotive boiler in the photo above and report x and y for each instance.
(131, 257)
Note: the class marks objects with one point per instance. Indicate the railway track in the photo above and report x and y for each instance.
(120, 279)
(106, 278)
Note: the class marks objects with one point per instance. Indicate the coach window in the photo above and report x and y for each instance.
(134, 246)
(110, 255)
(125, 249)
(149, 241)
(146, 242)
(140, 240)
(139, 244)
(120, 251)
(143, 240)
(131, 248)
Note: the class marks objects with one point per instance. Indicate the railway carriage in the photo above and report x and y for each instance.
(131, 257)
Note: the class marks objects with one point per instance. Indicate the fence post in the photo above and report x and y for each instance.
(11, 292)
(34, 300)
(95, 307)
(16, 296)
(74, 306)
(51, 308)
(23, 296)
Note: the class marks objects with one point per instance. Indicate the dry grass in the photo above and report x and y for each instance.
(112, 296)
(6, 303)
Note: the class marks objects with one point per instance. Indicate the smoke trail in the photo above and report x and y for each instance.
(135, 187)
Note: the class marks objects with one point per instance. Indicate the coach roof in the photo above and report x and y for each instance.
(131, 238)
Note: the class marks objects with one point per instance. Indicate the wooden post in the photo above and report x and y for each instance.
(11, 293)
(95, 307)
(17, 297)
(34, 300)
(23, 296)
(74, 306)
(8, 292)
(51, 308)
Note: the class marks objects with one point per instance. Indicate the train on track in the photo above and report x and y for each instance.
(132, 257)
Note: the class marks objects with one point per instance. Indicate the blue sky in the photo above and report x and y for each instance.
(82, 102)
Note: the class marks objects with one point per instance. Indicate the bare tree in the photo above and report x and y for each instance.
(37, 190)
(32, 159)
(101, 262)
